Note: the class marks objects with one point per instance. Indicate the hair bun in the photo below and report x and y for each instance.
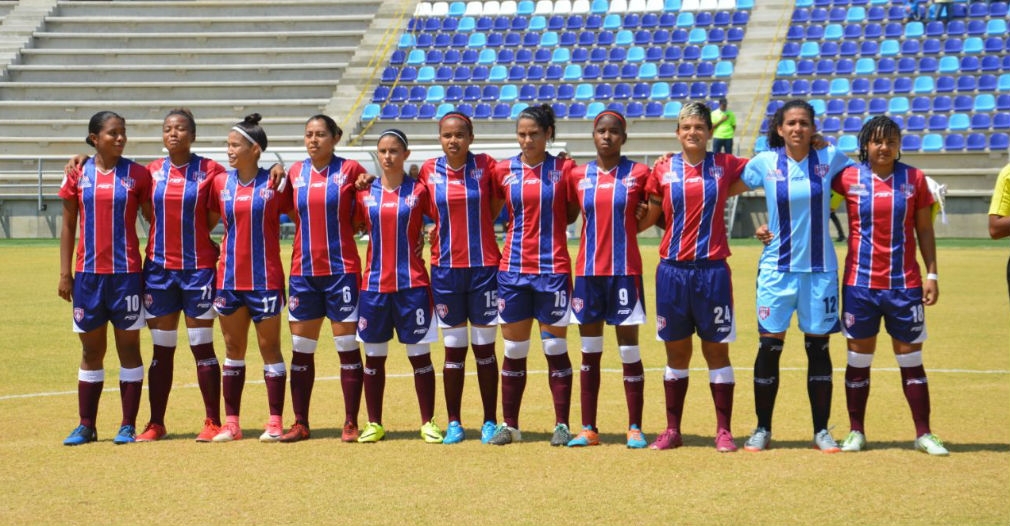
(253, 118)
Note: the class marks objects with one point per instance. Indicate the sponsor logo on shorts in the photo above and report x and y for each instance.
(220, 302)
(347, 308)
(204, 305)
(148, 300)
(489, 313)
(577, 304)
(915, 328)
(362, 324)
(623, 312)
(442, 309)
(660, 323)
(850, 319)
(293, 302)
(78, 314)
(764, 312)
(557, 313)
(131, 317)
(423, 330)
(722, 329)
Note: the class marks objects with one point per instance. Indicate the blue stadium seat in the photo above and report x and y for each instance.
(882, 86)
(844, 66)
(902, 85)
(594, 109)
(932, 142)
(937, 123)
(852, 32)
(856, 106)
(914, 29)
(847, 143)
(984, 102)
(1001, 121)
(954, 142)
(911, 143)
(877, 106)
(703, 19)
(576, 110)
(980, 121)
(852, 124)
(722, 18)
(650, 21)
(426, 111)
(831, 125)
(501, 110)
(1003, 83)
(781, 88)
(866, 67)
(975, 142)
(399, 94)
(923, 85)
(723, 69)
(461, 74)
(512, 39)
(898, 105)
(836, 14)
(915, 123)
(408, 111)
(612, 21)
(963, 103)
(653, 110)
(848, 48)
(685, 19)
(990, 63)
(699, 90)
(998, 9)
(930, 46)
(705, 69)
(999, 142)
(869, 48)
(591, 72)
(454, 93)
(390, 111)
(398, 57)
(819, 87)
(667, 19)
(800, 88)
(952, 46)
(660, 37)
(468, 56)
(610, 71)
(648, 71)
(921, 105)
(860, 86)
(966, 83)
(553, 72)
(671, 110)
(835, 107)
(978, 10)
(631, 21)
(839, 87)
(443, 74)
(482, 111)
(679, 90)
(734, 34)
(370, 112)
(959, 122)
(381, 93)
(875, 13)
(710, 52)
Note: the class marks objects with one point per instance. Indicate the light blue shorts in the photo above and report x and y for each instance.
(812, 295)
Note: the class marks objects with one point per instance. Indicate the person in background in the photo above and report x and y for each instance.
(999, 212)
(106, 285)
(724, 122)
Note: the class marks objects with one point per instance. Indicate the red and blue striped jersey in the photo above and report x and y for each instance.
(394, 222)
(608, 200)
(694, 201)
(325, 208)
(461, 207)
(179, 238)
(250, 249)
(536, 198)
(107, 204)
(882, 225)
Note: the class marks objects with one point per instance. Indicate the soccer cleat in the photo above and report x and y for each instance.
(586, 437)
(350, 432)
(855, 442)
(272, 433)
(636, 439)
(724, 441)
(297, 433)
(824, 442)
(505, 434)
(81, 435)
(152, 432)
(454, 433)
(668, 439)
(931, 444)
(431, 433)
(126, 435)
(487, 431)
(372, 433)
(209, 431)
(759, 440)
(229, 431)
(561, 435)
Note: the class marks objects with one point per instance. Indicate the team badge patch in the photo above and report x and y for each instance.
(577, 304)
(764, 312)
(339, 179)
(442, 310)
(821, 170)
(220, 302)
(908, 190)
(660, 323)
(555, 175)
(716, 171)
(127, 182)
(410, 200)
(362, 324)
(630, 182)
(850, 319)
(501, 304)
(199, 175)
(266, 193)
(476, 174)
(78, 314)
(148, 301)
(292, 303)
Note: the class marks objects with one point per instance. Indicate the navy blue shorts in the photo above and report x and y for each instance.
(902, 309)
(614, 299)
(262, 304)
(695, 296)
(408, 311)
(463, 294)
(541, 296)
(102, 298)
(170, 291)
(312, 297)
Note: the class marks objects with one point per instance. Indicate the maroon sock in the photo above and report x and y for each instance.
(303, 377)
(634, 391)
(916, 387)
(487, 379)
(276, 385)
(375, 386)
(452, 379)
(722, 396)
(560, 379)
(208, 375)
(857, 391)
(513, 383)
(351, 379)
(88, 394)
(232, 383)
(159, 377)
(130, 394)
(589, 387)
(424, 385)
(676, 391)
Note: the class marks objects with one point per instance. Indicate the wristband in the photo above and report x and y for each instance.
(931, 277)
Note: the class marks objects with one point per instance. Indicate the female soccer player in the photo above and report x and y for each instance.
(250, 278)
(888, 203)
(395, 290)
(690, 190)
(798, 269)
(106, 284)
(179, 272)
(608, 271)
(533, 277)
(325, 272)
(999, 212)
(464, 266)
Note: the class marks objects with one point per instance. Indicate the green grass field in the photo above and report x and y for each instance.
(403, 480)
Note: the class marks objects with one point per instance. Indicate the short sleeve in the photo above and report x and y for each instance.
(753, 173)
(68, 188)
(923, 197)
(1000, 205)
(653, 184)
(214, 193)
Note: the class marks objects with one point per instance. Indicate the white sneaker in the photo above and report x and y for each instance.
(930, 443)
(855, 442)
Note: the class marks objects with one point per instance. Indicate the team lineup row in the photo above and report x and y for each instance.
(474, 285)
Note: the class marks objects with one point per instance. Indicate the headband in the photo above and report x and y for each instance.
(458, 115)
(395, 133)
(620, 117)
(246, 135)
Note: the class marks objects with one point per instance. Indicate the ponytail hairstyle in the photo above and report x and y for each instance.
(98, 121)
(543, 115)
(774, 139)
(331, 125)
